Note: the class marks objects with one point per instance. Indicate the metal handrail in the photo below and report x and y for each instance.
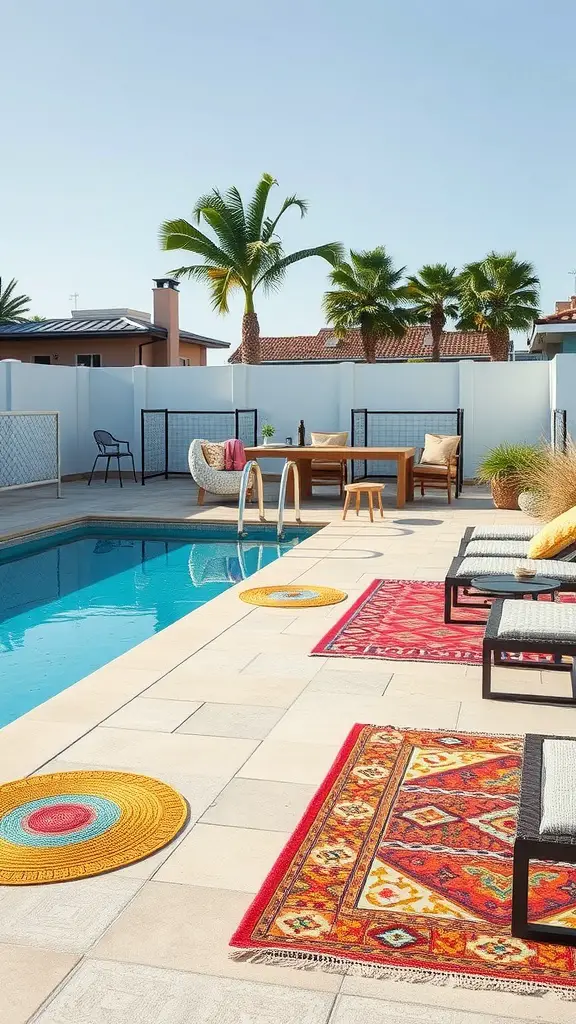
(250, 467)
(288, 467)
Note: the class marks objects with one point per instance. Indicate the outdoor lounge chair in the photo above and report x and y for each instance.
(464, 568)
(472, 546)
(224, 482)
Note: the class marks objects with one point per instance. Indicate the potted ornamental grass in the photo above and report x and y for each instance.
(268, 432)
(508, 468)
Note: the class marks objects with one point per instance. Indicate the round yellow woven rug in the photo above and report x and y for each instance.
(54, 828)
(292, 596)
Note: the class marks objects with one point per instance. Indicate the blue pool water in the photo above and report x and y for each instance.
(71, 603)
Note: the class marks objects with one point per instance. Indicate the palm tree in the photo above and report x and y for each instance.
(12, 307)
(434, 292)
(499, 294)
(245, 254)
(367, 295)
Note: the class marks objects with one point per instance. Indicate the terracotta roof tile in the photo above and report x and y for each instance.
(565, 316)
(324, 346)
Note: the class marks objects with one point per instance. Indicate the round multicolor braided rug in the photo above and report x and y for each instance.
(292, 596)
(54, 828)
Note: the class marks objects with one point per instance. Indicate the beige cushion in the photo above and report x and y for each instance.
(214, 454)
(439, 449)
(320, 440)
(427, 470)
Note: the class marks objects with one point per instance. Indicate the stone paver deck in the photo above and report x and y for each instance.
(227, 706)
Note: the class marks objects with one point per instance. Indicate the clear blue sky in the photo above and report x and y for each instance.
(440, 128)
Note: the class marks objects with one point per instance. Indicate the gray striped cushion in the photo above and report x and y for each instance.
(506, 548)
(505, 532)
(535, 620)
(487, 566)
(558, 788)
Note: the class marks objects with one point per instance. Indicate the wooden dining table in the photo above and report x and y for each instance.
(303, 457)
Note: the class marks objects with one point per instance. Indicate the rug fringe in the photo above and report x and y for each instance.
(415, 975)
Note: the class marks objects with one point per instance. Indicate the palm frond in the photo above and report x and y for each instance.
(330, 252)
(257, 207)
(180, 234)
(270, 224)
(13, 307)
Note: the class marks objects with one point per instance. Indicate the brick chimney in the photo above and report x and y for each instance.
(165, 314)
(560, 307)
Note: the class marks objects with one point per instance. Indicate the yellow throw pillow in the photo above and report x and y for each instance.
(214, 454)
(329, 440)
(553, 538)
(439, 449)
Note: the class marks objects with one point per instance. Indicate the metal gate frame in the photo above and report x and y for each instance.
(165, 471)
(366, 413)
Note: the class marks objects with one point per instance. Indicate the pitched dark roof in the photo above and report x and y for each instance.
(324, 347)
(98, 326)
(104, 325)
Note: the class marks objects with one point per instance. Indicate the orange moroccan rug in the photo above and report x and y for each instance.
(402, 867)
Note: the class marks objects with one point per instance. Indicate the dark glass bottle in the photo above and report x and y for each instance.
(301, 434)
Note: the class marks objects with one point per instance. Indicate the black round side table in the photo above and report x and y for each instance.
(508, 585)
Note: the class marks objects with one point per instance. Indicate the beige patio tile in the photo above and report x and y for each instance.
(224, 858)
(516, 718)
(145, 995)
(229, 689)
(415, 999)
(245, 721)
(459, 688)
(163, 752)
(306, 763)
(330, 718)
(181, 940)
(27, 976)
(356, 1010)
(26, 744)
(210, 662)
(66, 917)
(292, 666)
(152, 714)
(260, 804)
(360, 683)
(257, 642)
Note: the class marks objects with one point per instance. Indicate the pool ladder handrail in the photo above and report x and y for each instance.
(289, 467)
(249, 468)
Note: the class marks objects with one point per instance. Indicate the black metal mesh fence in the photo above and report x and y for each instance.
(559, 430)
(401, 430)
(167, 434)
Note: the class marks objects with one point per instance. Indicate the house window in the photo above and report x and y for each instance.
(184, 361)
(89, 360)
(42, 359)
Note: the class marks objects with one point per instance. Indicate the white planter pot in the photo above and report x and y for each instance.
(267, 440)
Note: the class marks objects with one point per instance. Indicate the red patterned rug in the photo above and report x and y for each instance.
(402, 867)
(403, 620)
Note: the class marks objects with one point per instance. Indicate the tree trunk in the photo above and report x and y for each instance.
(499, 345)
(368, 345)
(250, 338)
(437, 321)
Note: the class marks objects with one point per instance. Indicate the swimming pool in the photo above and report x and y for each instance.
(74, 599)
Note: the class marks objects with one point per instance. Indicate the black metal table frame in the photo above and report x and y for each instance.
(530, 845)
(492, 644)
(453, 584)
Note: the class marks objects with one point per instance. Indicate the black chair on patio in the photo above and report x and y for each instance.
(109, 448)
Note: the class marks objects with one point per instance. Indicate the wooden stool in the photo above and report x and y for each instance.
(364, 488)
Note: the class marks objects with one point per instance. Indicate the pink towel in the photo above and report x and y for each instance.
(234, 454)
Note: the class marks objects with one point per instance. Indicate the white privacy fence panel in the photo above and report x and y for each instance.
(501, 401)
(29, 449)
